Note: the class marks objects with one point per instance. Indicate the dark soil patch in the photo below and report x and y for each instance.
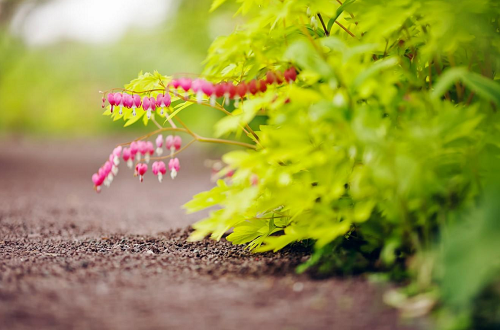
(72, 259)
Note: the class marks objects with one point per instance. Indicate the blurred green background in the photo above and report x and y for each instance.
(56, 55)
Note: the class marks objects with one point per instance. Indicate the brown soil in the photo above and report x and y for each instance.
(74, 259)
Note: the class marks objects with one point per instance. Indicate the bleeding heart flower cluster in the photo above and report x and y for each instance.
(139, 151)
(200, 88)
(108, 171)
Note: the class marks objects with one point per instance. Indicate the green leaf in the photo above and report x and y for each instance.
(481, 85)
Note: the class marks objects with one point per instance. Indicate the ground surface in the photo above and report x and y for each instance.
(74, 259)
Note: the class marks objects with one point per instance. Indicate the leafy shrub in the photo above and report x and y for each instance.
(388, 132)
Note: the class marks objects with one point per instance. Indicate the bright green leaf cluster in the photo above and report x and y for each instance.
(382, 135)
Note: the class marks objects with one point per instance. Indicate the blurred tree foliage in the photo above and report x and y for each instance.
(53, 90)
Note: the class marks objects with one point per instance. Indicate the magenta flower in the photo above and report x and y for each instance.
(185, 84)
(209, 90)
(127, 156)
(141, 169)
(119, 102)
(147, 105)
(196, 86)
(150, 151)
(134, 149)
(173, 143)
(127, 101)
(252, 87)
(136, 103)
(159, 145)
(290, 75)
(111, 100)
(174, 167)
(159, 169)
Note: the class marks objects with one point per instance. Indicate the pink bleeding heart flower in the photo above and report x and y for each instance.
(136, 103)
(159, 169)
(134, 148)
(173, 143)
(167, 100)
(290, 75)
(159, 145)
(185, 84)
(150, 150)
(160, 102)
(141, 169)
(117, 152)
(270, 77)
(252, 87)
(97, 180)
(196, 86)
(177, 142)
(241, 90)
(147, 105)
(119, 102)
(174, 167)
(230, 91)
(127, 101)
(111, 100)
(209, 90)
(220, 90)
(127, 156)
(262, 86)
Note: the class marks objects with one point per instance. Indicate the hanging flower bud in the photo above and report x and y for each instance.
(159, 145)
(175, 85)
(196, 86)
(141, 169)
(117, 153)
(142, 149)
(150, 151)
(262, 86)
(127, 100)
(103, 102)
(119, 102)
(134, 151)
(173, 143)
(159, 169)
(97, 180)
(219, 90)
(290, 75)
(185, 84)
(136, 103)
(177, 142)
(147, 105)
(230, 91)
(252, 87)
(209, 90)
(174, 167)
(127, 156)
(160, 104)
(270, 77)
(241, 90)
(167, 100)
(111, 100)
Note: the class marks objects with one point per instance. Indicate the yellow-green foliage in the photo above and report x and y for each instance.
(385, 131)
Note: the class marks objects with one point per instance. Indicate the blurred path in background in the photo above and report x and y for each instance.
(74, 259)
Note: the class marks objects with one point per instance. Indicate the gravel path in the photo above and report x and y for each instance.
(74, 259)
